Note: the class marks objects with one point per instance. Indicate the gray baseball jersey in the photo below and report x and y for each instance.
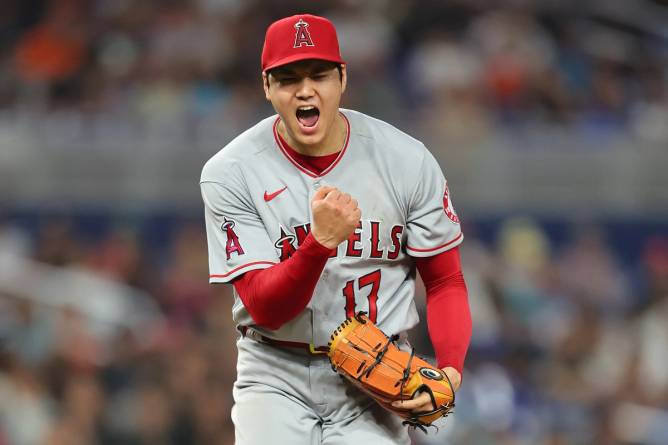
(257, 206)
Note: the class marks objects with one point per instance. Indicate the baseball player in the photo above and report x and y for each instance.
(314, 214)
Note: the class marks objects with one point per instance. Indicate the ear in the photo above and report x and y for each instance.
(265, 85)
(344, 78)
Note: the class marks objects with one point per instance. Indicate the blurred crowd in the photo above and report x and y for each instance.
(165, 381)
(568, 340)
(457, 69)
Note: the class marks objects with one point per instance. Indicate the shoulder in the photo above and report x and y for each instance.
(394, 143)
(239, 152)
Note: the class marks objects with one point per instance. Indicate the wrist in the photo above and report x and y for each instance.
(324, 242)
(454, 376)
(315, 246)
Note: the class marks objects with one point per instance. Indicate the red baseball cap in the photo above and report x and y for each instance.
(300, 37)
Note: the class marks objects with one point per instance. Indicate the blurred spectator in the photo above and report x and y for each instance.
(590, 271)
(25, 408)
(516, 51)
(56, 244)
(650, 373)
(186, 296)
(53, 53)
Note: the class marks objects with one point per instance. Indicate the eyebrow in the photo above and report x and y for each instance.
(310, 69)
(283, 72)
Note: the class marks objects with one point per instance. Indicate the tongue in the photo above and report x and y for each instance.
(308, 120)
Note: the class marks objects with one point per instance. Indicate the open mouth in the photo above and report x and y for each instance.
(308, 116)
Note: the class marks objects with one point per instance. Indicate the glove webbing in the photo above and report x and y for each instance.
(379, 358)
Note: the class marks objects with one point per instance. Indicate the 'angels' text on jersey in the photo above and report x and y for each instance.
(365, 241)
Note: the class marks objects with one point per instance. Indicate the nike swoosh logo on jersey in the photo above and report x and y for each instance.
(269, 196)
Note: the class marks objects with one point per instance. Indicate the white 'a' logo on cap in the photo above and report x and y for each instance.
(302, 36)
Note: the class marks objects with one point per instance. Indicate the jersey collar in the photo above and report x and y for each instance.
(305, 169)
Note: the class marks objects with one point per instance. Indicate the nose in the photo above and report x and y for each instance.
(306, 89)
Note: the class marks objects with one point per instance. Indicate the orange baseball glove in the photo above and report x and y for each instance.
(371, 360)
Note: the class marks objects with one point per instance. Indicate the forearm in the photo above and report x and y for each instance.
(276, 295)
(448, 312)
(449, 322)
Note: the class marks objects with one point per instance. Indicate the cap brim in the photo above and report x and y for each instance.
(300, 57)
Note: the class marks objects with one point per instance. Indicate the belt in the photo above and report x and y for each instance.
(308, 347)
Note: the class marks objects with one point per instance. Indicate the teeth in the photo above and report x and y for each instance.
(306, 108)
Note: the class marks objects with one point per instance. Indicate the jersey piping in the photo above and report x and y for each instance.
(301, 167)
(271, 263)
(431, 249)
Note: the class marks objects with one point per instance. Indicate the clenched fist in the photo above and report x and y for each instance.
(335, 216)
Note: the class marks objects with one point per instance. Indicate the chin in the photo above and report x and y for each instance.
(309, 140)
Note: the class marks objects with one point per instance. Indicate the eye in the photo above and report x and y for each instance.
(287, 80)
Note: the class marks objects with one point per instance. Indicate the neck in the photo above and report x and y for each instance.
(332, 142)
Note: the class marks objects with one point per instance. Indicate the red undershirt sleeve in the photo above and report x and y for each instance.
(448, 313)
(276, 295)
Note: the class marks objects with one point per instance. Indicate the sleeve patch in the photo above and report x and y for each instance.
(448, 207)
(233, 245)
